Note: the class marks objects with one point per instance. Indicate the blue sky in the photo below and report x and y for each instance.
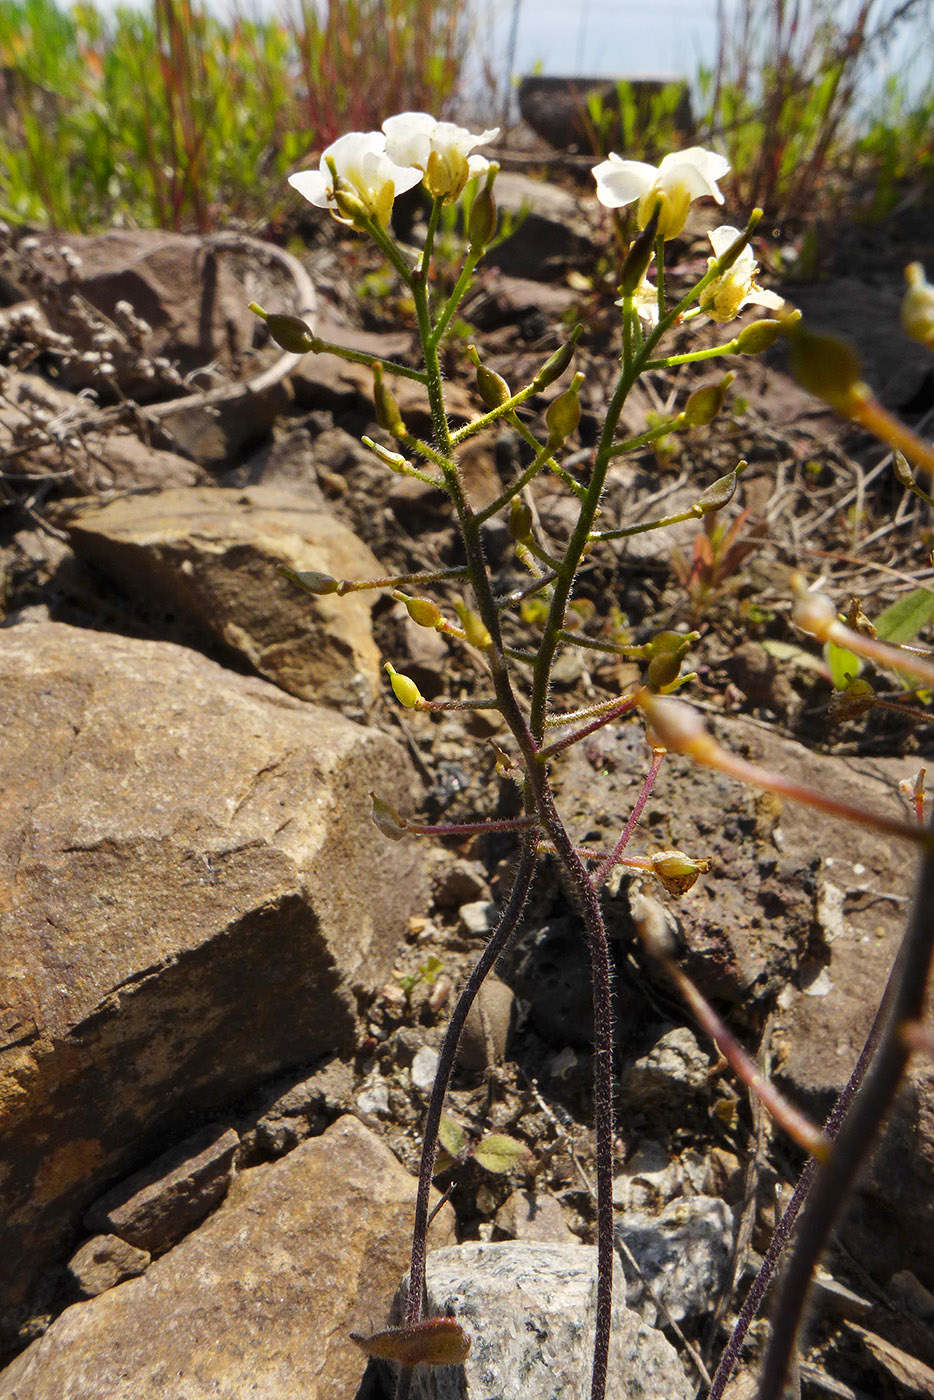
(606, 37)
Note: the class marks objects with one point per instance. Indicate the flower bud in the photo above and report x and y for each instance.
(677, 872)
(704, 404)
(289, 332)
(404, 688)
(917, 311)
(481, 224)
(556, 364)
(826, 366)
(636, 262)
(387, 819)
(564, 413)
(393, 460)
(422, 611)
(351, 209)
(475, 629)
(388, 414)
(758, 336)
(310, 580)
(520, 521)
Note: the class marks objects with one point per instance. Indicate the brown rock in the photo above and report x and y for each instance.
(104, 1261)
(486, 1031)
(191, 889)
(214, 554)
(195, 307)
(260, 1301)
(536, 1216)
(156, 1207)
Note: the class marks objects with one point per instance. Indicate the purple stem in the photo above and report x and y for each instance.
(600, 875)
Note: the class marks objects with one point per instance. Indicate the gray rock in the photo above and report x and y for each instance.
(194, 896)
(213, 555)
(424, 1068)
(256, 1304)
(529, 1312)
(672, 1074)
(478, 917)
(104, 1261)
(684, 1254)
(156, 1207)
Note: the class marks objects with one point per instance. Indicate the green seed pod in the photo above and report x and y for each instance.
(826, 366)
(492, 387)
(475, 629)
(289, 332)
(556, 364)
(404, 688)
(677, 872)
(704, 404)
(758, 336)
(564, 413)
(481, 225)
(388, 413)
(310, 580)
(902, 470)
(663, 670)
(665, 642)
(422, 611)
(520, 521)
(718, 494)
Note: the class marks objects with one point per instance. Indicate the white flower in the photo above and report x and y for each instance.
(736, 288)
(440, 150)
(364, 173)
(681, 177)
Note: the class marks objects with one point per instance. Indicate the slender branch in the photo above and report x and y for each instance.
(857, 1133)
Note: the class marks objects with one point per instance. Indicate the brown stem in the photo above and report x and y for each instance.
(499, 940)
(834, 1180)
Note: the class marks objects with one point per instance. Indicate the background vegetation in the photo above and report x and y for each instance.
(175, 117)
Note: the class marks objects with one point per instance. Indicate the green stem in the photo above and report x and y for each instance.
(359, 357)
(730, 348)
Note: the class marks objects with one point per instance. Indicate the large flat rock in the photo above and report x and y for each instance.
(192, 893)
(213, 555)
(259, 1302)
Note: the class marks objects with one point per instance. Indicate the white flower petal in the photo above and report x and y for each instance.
(761, 296)
(621, 181)
(722, 238)
(408, 138)
(312, 185)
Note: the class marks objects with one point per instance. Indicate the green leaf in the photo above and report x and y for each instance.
(905, 618)
(451, 1136)
(844, 665)
(499, 1153)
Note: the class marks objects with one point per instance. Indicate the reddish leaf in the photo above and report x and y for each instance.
(440, 1341)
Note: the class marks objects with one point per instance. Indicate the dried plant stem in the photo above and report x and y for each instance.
(834, 1179)
(497, 944)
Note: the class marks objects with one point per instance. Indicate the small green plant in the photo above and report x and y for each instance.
(359, 177)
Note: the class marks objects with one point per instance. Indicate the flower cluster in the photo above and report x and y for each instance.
(362, 172)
